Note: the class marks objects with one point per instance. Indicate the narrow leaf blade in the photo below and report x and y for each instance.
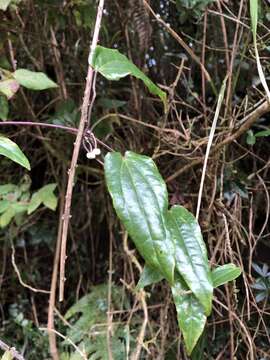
(12, 151)
(190, 314)
(191, 255)
(33, 80)
(141, 201)
(223, 274)
(263, 133)
(254, 22)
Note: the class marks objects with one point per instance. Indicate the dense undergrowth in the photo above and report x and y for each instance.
(101, 309)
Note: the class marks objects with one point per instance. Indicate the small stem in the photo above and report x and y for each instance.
(54, 126)
(83, 122)
(12, 351)
(30, 123)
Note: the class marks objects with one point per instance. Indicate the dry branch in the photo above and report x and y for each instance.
(83, 121)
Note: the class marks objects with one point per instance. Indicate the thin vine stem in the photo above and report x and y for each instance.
(54, 126)
(85, 115)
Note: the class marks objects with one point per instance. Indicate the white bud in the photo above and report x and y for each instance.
(91, 155)
(97, 151)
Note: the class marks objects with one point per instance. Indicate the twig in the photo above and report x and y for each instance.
(19, 275)
(83, 355)
(109, 312)
(136, 353)
(54, 126)
(180, 41)
(211, 136)
(12, 350)
(247, 122)
(50, 324)
(77, 145)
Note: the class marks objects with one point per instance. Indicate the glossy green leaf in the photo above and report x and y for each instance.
(12, 151)
(190, 314)
(8, 87)
(191, 255)
(140, 199)
(148, 277)
(223, 274)
(3, 108)
(114, 66)
(33, 80)
(4, 4)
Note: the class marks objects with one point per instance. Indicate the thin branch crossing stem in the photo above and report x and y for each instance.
(83, 122)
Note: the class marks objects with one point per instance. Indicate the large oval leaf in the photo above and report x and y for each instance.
(141, 201)
(114, 66)
(191, 255)
(12, 151)
(190, 314)
(33, 80)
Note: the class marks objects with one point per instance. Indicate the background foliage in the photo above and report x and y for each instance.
(53, 37)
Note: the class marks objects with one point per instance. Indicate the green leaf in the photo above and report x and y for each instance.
(33, 80)
(44, 195)
(114, 66)
(254, 16)
(4, 205)
(7, 355)
(191, 255)
(254, 22)
(149, 276)
(223, 274)
(8, 87)
(107, 103)
(7, 188)
(190, 314)
(262, 133)
(19, 207)
(140, 199)
(4, 4)
(3, 108)
(35, 202)
(12, 151)
(50, 202)
(251, 139)
(6, 217)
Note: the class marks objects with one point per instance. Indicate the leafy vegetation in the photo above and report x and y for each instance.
(132, 284)
(170, 241)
